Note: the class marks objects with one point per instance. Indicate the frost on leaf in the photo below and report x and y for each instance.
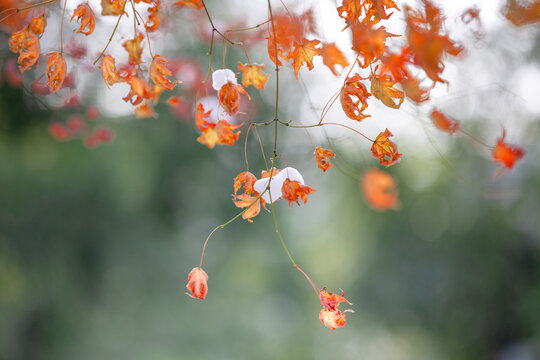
(85, 15)
(322, 157)
(56, 70)
(444, 123)
(379, 190)
(197, 283)
(385, 150)
(354, 93)
(252, 74)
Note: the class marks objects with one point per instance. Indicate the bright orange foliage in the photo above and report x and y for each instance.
(331, 301)
(252, 74)
(332, 56)
(197, 283)
(444, 123)
(140, 89)
(247, 180)
(322, 157)
(38, 24)
(382, 88)
(112, 7)
(158, 73)
(220, 134)
(85, 15)
(195, 4)
(354, 93)
(303, 53)
(521, 14)
(293, 191)
(385, 150)
(26, 43)
(330, 316)
(379, 189)
(154, 17)
(506, 154)
(368, 42)
(56, 70)
(229, 97)
(108, 70)
(372, 11)
(426, 43)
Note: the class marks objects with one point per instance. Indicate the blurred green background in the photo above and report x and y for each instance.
(96, 245)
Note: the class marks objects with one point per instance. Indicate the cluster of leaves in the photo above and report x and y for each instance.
(408, 66)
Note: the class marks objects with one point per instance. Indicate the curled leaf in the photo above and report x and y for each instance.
(108, 70)
(354, 93)
(506, 154)
(112, 7)
(229, 97)
(385, 150)
(56, 70)
(195, 4)
(382, 88)
(197, 283)
(322, 157)
(85, 15)
(37, 24)
(26, 43)
(221, 133)
(134, 49)
(158, 73)
(293, 191)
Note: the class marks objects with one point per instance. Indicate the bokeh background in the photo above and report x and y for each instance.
(96, 245)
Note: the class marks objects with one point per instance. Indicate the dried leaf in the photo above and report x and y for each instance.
(112, 7)
(520, 13)
(195, 4)
(158, 73)
(354, 93)
(229, 97)
(154, 17)
(506, 154)
(37, 24)
(134, 49)
(85, 15)
(26, 43)
(382, 88)
(368, 42)
(197, 283)
(108, 70)
(385, 150)
(252, 74)
(220, 134)
(56, 70)
(293, 191)
(246, 179)
(322, 157)
(331, 301)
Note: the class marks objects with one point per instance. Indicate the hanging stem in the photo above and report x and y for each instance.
(112, 35)
(62, 28)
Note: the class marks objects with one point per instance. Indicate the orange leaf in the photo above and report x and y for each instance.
(134, 49)
(112, 7)
(85, 15)
(199, 118)
(444, 123)
(158, 73)
(108, 70)
(145, 110)
(154, 17)
(332, 56)
(293, 191)
(352, 94)
(506, 154)
(303, 53)
(368, 42)
(426, 43)
(247, 179)
(385, 150)
(195, 4)
(322, 157)
(521, 14)
(243, 201)
(220, 134)
(25, 43)
(140, 89)
(382, 88)
(333, 319)
(56, 70)
(252, 74)
(372, 10)
(379, 190)
(229, 97)
(37, 25)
